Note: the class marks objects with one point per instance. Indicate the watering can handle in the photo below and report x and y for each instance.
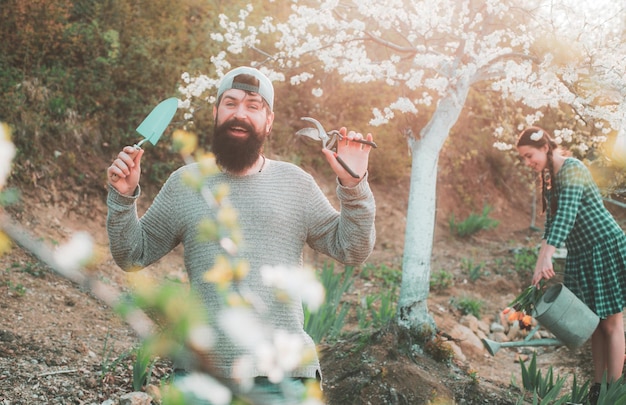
(571, 277)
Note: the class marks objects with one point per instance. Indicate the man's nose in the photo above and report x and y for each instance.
(240, 112)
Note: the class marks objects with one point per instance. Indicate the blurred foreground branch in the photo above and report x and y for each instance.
(137, 320)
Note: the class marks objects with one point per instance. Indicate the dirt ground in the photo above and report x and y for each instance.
(60, 345)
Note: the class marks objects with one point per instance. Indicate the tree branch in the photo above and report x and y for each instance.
(388, 44)
(141, 323)
(483, 73)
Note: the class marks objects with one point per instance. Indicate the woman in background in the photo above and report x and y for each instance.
(595, 267)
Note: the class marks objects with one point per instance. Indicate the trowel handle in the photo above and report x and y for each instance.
(138, 144)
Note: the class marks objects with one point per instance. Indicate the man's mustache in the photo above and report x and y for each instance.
(237, 123)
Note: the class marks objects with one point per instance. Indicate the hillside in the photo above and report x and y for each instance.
(60, 345)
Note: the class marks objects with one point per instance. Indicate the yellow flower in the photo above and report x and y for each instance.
(5, 243)
(184, 142)
(221, 274)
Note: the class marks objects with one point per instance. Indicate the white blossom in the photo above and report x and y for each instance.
(282, 354)
(297, 282)
(7, 152)
(566, 134)
(204, 388)
(76, 253)
(531, 119)
(301, 78)
(404, 105)
(202, 337)
(503, 146)
(242, 326)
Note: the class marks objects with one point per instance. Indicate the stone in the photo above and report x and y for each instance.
(136, 398)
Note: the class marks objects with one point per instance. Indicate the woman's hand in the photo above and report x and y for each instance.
(544, 268)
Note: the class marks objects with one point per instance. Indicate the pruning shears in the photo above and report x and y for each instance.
(329, 140)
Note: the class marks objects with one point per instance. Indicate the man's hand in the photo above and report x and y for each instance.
(354, 154)
(124, 172)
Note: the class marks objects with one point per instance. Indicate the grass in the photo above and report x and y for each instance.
(441, 280)
(472, 224)
(467, 305)
(524, 261)
(473, 270)
(327, 322)
(377, 310)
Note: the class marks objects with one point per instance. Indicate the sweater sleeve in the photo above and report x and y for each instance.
(348, 235)
(571, 187)
(138, 242)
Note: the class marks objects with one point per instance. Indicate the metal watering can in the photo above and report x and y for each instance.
(561, 312)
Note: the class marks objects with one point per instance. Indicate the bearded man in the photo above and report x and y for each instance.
(280, 209)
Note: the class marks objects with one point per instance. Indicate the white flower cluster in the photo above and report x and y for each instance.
(204, 388)
(282, 354)
(297, 283)
(7, 152)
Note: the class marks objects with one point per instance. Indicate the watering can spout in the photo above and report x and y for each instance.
(492, 346)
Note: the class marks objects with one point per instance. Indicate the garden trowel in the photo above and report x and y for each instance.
(153, 126)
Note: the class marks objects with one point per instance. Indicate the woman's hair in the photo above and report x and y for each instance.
(537, 137)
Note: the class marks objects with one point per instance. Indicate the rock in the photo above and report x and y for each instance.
(496, 328)
(154, 392)
(483, 326)
(135, 398)
(470, 321)
(500, 337)
(520, 358)
(458, 353)
(514, 332)
(469, 342)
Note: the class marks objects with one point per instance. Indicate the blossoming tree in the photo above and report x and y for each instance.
(431, 53)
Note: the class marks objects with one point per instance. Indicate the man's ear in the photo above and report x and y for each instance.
(269, 122)
(214, 112)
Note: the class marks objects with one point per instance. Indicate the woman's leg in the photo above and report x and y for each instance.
(616, 345)
(607, 348)
(598, 353)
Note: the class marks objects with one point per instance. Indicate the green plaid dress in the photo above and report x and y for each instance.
(595, 267)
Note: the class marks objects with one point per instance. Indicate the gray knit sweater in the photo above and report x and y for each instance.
(279, 211)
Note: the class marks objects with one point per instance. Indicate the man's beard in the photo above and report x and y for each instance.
(236, 154)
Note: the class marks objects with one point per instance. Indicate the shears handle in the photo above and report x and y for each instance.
(336, 133)
(345, 166)
(366, 142)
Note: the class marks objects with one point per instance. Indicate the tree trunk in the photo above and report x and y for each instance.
(420, 222)
(418, 240)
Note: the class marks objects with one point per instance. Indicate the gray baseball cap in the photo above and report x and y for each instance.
(264, 89)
